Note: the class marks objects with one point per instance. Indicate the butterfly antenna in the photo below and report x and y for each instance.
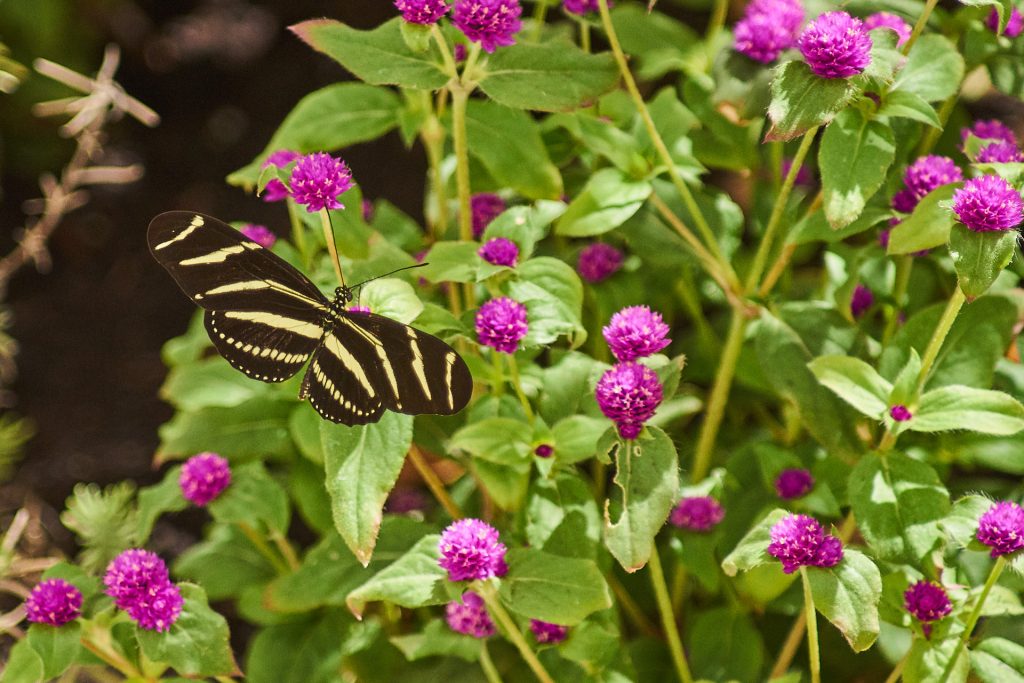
(328, 225)
(399, 270)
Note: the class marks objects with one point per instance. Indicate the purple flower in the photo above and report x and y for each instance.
(904, 201)
(470, 550)
(204, 477)
(1000, 152)
(545, 633)
(501, 324)
(861, 300)
(926, 174)
(54, 602)
(318, 179)
(762, 38)
(157, 608)
(1002, 528)
(628, 394)
(836, 45)
(499, 251)
(422, 11)
(786, 13)
(459, 53)
(900, 413)
(804, 177)
(1013, 27)
(259, 234)
(987, 204)
(636, 332)
(544, 450)
(469, 617)
(799, 541)
(131, 574)
(889, 20)
(794, 483)
(492, 23)
(358, 309)
(697, 513)
(598, 262)
(275, 191)
(402, 500)
(484, 207)
(367, 211)
(927, 601)
(581, 7)
(989, 129)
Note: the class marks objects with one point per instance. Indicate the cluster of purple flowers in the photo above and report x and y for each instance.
(900, 413)
(598, 261)
(923, 176)
(422, 11)
(500, 251)
(547, 633)
(697, 513)
(1001, 142)
(492, 23)
(794, 483)
(259, 234)
(471, 550)
(469, 616)
(988, 203)
(861, 300)
(636, 332)
(836, 45)
(501, 324)
(54, 602)
(140, 584)
(799, 541)
(768, 28)
(317, 180)
(204, 477)
(582, 7)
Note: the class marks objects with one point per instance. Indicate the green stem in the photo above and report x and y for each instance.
(812, 628)
(972, 620)
(897, 670)
(513, 371)
(298, 230)
(111, 657)
(715, 410)
(433, 482)
(286, 549)
(956, 302)
(487, 664)
(489, 594)
(932, 135)
(540, 12)
(678, 587)
(668, 620)
(263, 548)
(903, 267)
(332, 248)
(718, 13)
(460, 97)
(919, 26)
(585, 36)
(499, 374)
(446, 54)
(432, 134)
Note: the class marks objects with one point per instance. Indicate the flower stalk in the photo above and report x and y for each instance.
(812, 628)
(487, 591)
(668, 620)
(972, 620)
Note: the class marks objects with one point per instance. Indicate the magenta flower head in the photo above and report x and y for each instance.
(581, 7)
(204, 477)
(804, 177)
(987, 204)
(469, 617)
(861, 301)
(470, 550)
(697, 513)
(900, 413)
(545, 450)
(492, 23)
(794, 483)
(422, 11)
(500, 251)
(275, 191)
(157, 608)
(367, 211)
(484, 207)
(546, 633)
(989, 129)
(1002, 528)
(762, 38)
(836, 45)
(599, 262)
(131, 574)
(1013, 27)
(54, 602)
(928, 173)
(927, 601)
(999, 152)
(628, 394)
(358, 309)
(799, 541)
(892, 21)
(788, 14)
(259, 234)
(501, 324)
(636, 332)
(318, 179)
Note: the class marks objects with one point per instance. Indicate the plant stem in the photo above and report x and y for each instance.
(298, 230)
(460, 97)
(897, 670)
(490, 596)
(499, 374)
(931, 135)
(779, 266)
(287, 551)
(584, 36)
(487, 664)
(678, 586)
(903, 267)
(715, 410)
(789, 648)
(956, 302)
(972, 620)
(100, 643)
(513, 371)
(668, 620)
(630, 608)
(718, 12)
(332, 248)
(263, 548)
(433, 482)
(812, 628)
(919, 26)
(540, 12)
(433, 136)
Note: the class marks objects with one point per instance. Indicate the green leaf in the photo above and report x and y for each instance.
(225, 563)
(197, 643)
(562, 517)
(647, 475)
(254, 429)
(299, 652)
(848, 596)
(855, 382)
(553, 588)
(304, 426)
(508, 143)
(899, 503)
(24, 665)
(607, 200)
(854, 155)
(437, 639)
(815, 227)
(907, 105)
(801, 100)
(752, 550)
(928, 659)
(960, 407)
(413, 580)
(724, 645)
(998, 660)
(660, 42)
(362, 465)
(550, 76)
(567, 385)
(252, 497)
(392, 298)
(933, 70)
(553, 295)
(377, 57)
(450, 262)
(334, 117)
(979, 257)
(57, 646)
(575, 437)
(961, 525)
(156, 500)
(501, 457)
(210, 383)
(928, 226)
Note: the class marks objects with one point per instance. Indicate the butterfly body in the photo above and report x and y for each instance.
(267, 320)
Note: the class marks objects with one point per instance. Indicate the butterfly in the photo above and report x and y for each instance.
(267, 319)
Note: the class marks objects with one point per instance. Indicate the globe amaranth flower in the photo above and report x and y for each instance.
(501, 324)
(484, 207)
(546, 633)
(259, 234)
(275, 191)
(470, 550)
(988, 203)
(697, 513)
(492, 23)
(628, 394)
(836, 45)
(157, 608)
(788, 14)
(582, 7)
(1002, 528)
(544, 450)
(861, 301)
(139, 583)
(762, 38)
(989, 129)
(1014, 25)
(318, 179)
(422, 11)
(54, 602)
(1000, 152)
(794, 483)
(403, 500)
(469, 617)
(926, 174)
(900, 413)
(891, 21)
(499, 251)
(204, 477)
(799, 541)
(927, 601)
(635, 332)
(598, 262)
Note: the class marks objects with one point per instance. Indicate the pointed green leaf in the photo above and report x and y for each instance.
(933, 70)
(752, 550)
(907, 105)
(157, 499)
(848, 596)
(977, 410)
(854, 155)
(998, 660)
(57, 646)
(197, 643)
(606, 202)
(801, 100)
(928, 226)
(413, 580)
(252, 497)
(553, 295)
(553, 588)
(979, 257)
(855, 382)
(24, 665)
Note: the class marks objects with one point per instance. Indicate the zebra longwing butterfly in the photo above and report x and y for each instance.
(267, 319)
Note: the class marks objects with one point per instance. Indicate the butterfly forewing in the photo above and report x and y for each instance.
(271, 351)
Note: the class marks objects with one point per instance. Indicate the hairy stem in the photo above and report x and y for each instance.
(490, 596)
(332, 248)
(972, 620)
(668, 620)
(956, 302)
(899, 293)
(487, 664)
(513, 371)
(812, 628)
(264, 549)
(919, 26)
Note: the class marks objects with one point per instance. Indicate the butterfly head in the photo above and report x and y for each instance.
(343, 295)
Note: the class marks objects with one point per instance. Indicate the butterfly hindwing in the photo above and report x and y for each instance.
(270, 352)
